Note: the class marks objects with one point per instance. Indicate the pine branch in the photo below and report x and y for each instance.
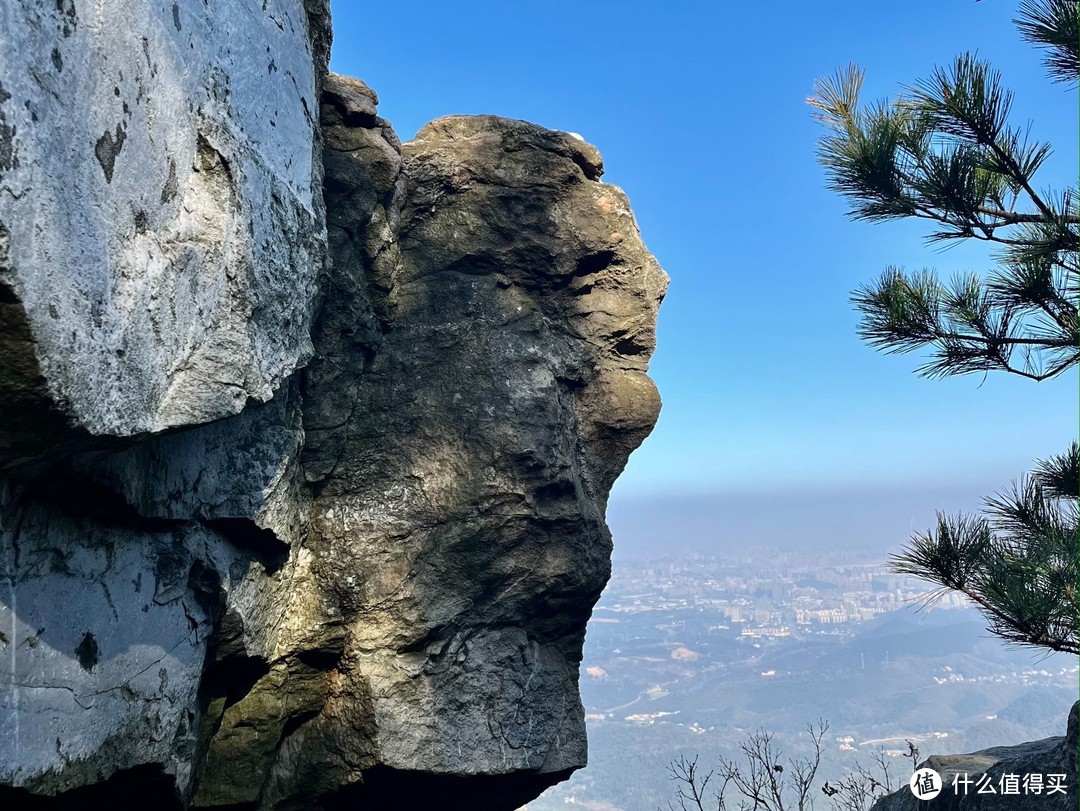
(1060, 475)
(1055, 26)
(973, 329)
(1013, 218)
(1018, 563)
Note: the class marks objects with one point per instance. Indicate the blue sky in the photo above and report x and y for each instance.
(700, 111)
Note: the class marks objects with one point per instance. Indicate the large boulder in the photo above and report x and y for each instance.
(161, 222)
(480, 384)
(282, 534)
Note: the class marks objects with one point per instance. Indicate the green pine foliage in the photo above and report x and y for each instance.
(1017, 562)
(946, 152)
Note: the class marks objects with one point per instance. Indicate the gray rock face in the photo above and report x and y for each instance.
(1045, 757)
(161, 227)
(479, 385)
(279, 533)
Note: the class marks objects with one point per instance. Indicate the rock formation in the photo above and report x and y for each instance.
(1049, 756)
(163, 230)
(309, 434)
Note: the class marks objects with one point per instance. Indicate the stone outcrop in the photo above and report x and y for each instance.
(311, 432)
(1049, 756)
(162, 228)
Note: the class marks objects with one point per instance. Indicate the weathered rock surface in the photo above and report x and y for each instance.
(1049, 756)
(470, 408)
(161, 227)
(277, 532)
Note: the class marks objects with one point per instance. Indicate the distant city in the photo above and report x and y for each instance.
(685, 656)
(767, 599)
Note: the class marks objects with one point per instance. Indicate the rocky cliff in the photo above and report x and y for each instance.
(308, 434)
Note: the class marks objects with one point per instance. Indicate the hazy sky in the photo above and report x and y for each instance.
(699, 109)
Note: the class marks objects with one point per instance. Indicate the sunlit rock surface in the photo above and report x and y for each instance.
(479, 385)
(297, 510)
(161, 227)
